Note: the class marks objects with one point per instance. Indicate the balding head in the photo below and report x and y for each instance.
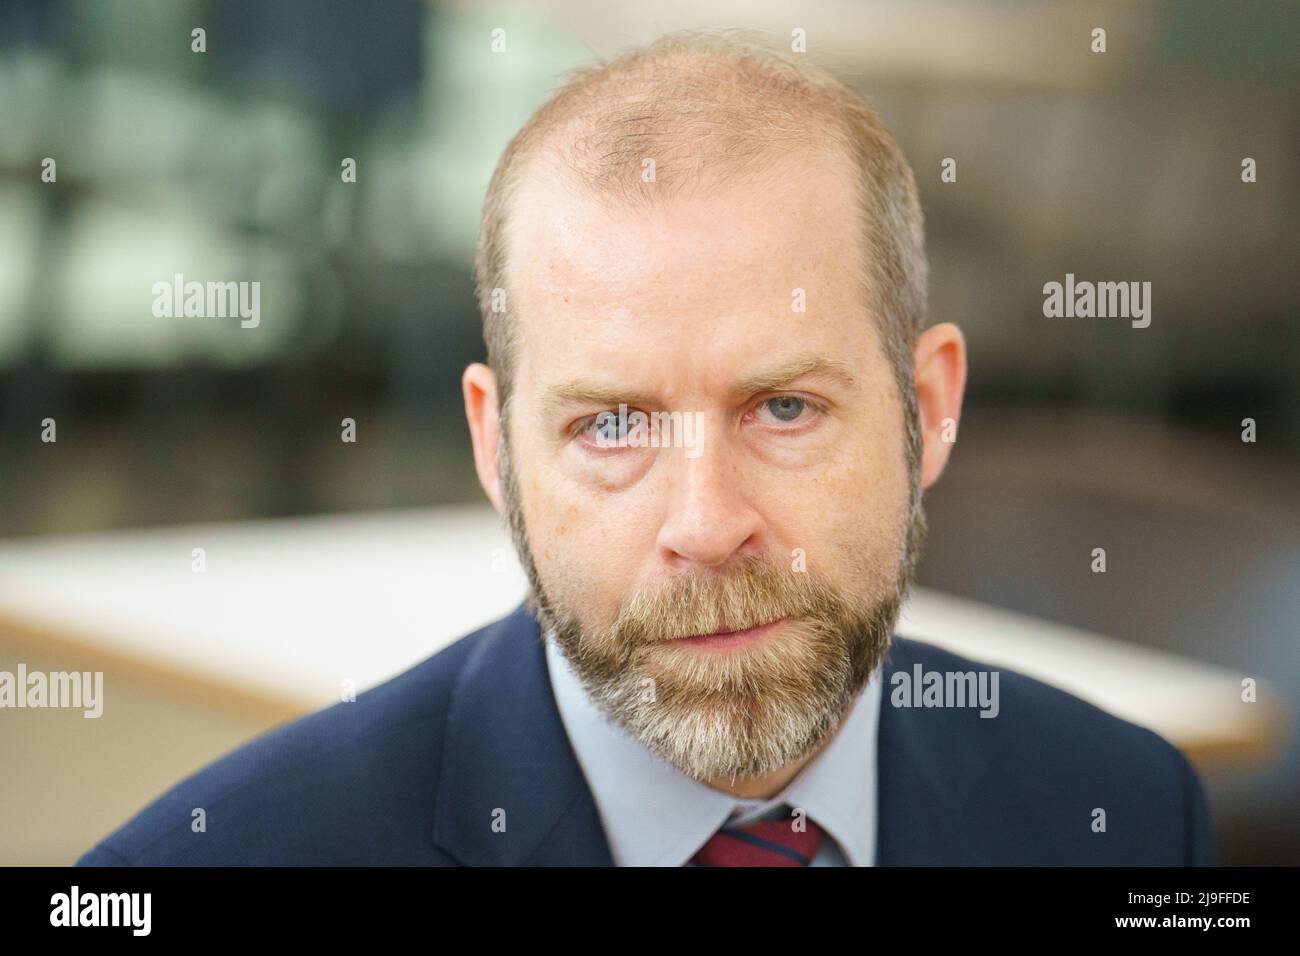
(704, 233)
(693, 112)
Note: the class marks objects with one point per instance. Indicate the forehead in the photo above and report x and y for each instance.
(713, 271)
(796, 222)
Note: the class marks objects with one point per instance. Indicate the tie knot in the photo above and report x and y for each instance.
(786, 841)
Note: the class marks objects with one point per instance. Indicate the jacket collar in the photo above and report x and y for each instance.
(513, 794)
(930, 766)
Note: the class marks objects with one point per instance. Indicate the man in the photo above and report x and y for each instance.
(708, 414)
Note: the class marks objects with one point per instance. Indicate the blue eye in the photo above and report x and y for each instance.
(786, 408)
(607, 427)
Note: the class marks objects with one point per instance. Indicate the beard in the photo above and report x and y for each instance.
(745, 712)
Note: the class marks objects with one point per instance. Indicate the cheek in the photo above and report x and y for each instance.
(556, 525)
(849, 511)
(580, 546)
(849, 518)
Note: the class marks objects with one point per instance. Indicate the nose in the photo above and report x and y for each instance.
(710, 520)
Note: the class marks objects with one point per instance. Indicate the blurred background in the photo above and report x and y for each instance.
(1078, 433)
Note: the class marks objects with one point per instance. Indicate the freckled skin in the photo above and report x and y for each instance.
(681, 301)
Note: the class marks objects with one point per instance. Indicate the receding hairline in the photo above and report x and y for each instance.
(546, 184)
(704, 106)
(696, 103)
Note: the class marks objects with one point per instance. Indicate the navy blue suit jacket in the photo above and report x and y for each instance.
(416, 770)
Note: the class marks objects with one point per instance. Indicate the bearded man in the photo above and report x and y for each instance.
(702, 671)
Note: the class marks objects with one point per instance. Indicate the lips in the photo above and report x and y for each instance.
(724, 630)
(730, 638)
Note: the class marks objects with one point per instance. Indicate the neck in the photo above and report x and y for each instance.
(769, 785)
(758, 788)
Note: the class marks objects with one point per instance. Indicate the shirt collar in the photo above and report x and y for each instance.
(655, 815)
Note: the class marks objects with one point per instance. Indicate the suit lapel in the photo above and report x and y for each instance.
(511, 791)
(929, 764)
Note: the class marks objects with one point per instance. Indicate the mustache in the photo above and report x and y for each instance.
(756, 592)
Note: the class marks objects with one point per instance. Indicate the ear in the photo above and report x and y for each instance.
(940, 378)
(479, 386)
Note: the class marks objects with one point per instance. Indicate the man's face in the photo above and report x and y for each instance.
(742, 310)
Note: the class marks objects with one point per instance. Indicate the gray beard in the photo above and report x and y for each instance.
(742, 714)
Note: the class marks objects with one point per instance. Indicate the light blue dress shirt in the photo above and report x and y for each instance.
(655, 815)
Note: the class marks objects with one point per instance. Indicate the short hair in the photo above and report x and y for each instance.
(718, 101)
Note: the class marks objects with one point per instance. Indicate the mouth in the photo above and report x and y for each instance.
(727, 639)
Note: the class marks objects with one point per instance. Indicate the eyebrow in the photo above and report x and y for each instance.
(804, 366)
(583, 392)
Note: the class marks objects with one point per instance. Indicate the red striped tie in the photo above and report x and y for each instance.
(763, 843)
